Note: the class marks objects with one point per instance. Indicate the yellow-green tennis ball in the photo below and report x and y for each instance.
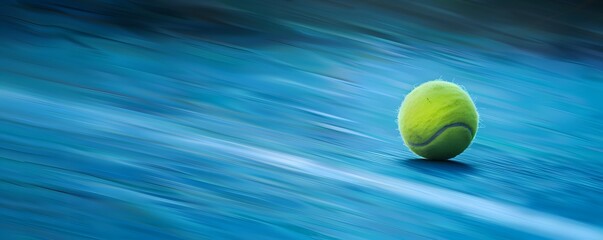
(437, 120)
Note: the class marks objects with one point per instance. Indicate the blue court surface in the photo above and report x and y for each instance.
(277, 119)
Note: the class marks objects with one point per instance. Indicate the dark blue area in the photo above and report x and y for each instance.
(276, 120)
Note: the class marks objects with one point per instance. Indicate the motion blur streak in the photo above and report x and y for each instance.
(276, 119)
(523, 219)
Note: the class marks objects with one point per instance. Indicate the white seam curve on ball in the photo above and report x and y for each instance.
(439, 132)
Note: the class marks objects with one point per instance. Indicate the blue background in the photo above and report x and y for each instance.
(276, 120)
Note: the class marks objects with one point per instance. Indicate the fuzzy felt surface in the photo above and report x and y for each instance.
(438, 120)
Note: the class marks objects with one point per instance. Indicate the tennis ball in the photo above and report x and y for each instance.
(437, 120)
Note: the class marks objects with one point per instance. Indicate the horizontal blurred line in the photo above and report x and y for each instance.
(523, 219)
